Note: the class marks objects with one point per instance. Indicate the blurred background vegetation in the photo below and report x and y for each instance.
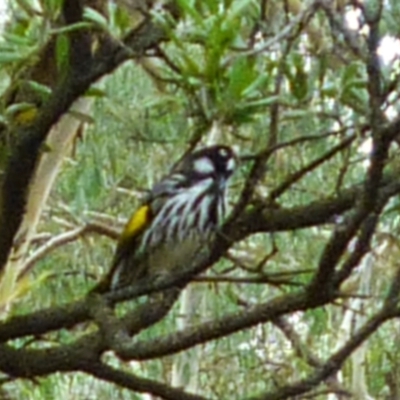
(252, 74)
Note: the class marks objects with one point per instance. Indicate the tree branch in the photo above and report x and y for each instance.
(333, 363)
(137, 384)
(228, 324)
(256, 220)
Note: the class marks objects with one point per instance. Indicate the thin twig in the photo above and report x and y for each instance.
(63, 239)
(138, 384)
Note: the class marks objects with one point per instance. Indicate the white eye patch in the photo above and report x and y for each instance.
(223, 153)
(204, 166)
(230, 165)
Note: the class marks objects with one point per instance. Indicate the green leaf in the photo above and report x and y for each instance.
(13, 109)
(212, 6)
(98, 19)
(350, 73)
(237, 9)
(121, 19)
(241, 76)
(51, 8)
(252, 89)
(71, 28)
(43, 90)
(189, 8)
(7, 57)
(16, 39)
(299, 84)
(262, 102)
(28, 7)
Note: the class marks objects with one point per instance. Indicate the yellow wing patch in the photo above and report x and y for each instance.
(138, 222)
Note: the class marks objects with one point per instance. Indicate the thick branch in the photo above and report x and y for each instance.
(233, 322)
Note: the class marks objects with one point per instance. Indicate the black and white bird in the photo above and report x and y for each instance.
(178, 217)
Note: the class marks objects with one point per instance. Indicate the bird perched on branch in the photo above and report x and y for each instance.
(178, 217)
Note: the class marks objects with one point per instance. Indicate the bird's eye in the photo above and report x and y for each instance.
(204, 166)
(230, 165)
(224, 153)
